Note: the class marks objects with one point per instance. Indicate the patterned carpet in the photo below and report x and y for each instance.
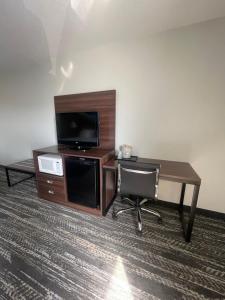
(48, 251)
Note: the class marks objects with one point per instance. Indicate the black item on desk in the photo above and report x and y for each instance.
(132, 158)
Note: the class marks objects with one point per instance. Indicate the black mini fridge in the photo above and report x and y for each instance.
(83, 181)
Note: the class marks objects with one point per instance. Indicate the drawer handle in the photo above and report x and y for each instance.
(50, 181)
(51, 192)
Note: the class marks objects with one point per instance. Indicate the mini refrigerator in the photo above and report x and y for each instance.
(82, 176)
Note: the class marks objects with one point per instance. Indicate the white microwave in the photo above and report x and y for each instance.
(51, 164)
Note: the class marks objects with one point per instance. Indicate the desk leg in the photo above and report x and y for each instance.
(7, 176)
(192, 214)
(183, 188)
(188, 225)
(18, 171)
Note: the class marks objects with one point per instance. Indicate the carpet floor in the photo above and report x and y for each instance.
(48, 251)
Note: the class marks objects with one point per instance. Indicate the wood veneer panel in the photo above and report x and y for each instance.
(110, 190)
(103, 102)
(51, 192)
(50, 180)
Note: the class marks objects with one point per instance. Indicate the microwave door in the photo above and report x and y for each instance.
(47, 166)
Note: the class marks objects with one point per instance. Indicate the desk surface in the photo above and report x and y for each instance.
(24, 166)
(95, 153)
(170, 170)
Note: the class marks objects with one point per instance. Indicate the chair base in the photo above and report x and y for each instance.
(138, 208)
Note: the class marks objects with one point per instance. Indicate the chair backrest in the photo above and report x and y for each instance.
(138, 179)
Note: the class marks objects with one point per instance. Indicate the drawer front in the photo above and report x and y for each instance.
(51, 180)
(51, 192)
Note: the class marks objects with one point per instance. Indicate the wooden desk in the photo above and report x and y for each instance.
(180, 172)
(25, 166)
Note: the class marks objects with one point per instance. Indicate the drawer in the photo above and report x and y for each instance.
(51, 180)
(51, 192)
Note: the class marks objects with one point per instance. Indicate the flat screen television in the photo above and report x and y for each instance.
(78, 129)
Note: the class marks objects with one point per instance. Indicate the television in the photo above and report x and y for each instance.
(78, 129)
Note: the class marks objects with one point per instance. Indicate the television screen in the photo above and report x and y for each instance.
(78, 129)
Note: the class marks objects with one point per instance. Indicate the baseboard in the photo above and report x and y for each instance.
(200, 211)
(211, 213)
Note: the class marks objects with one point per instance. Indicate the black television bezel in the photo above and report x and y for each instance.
(76, 144)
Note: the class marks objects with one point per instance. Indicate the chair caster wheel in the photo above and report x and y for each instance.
(114, 216)
(160, 220)
(139, 227)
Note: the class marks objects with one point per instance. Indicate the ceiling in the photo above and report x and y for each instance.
(34, 31)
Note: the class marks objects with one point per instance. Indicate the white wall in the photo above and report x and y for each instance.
(26, 114)
(170, 101)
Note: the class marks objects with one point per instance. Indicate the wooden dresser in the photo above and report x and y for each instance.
(54, 188)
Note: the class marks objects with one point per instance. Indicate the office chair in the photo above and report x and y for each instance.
(139, 180)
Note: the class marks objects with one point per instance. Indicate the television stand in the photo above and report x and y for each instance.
(60, 189)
